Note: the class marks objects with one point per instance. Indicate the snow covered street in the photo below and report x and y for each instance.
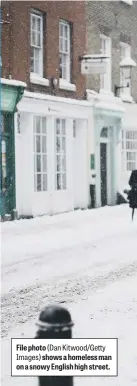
(86, 260)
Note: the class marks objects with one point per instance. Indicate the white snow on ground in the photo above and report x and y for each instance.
(89, 260)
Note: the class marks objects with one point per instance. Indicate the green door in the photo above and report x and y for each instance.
(7, 191)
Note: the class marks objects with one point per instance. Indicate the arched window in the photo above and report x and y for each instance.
(104, 133)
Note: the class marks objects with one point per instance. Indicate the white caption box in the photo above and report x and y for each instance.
(64, 357)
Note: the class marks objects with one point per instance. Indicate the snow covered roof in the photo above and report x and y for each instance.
(13, 82)
(54, 98)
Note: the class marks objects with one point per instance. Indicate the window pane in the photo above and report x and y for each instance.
(37, 124)
(44, 144)
(38, 40)
(58, 163)
(66, 45)
(33, 38)
(44, 163)
(33, 20)
(61, 44)
(37, 143)
(58, 147)
(38, 163)
(38, 182)
(44, 125)
(58, 182)
(44, 176)
(63, 127)
(64, 163)
(57, 126)
(64, 181)
(38, 24)
(60, 29)
(63, 144)
(66, 31)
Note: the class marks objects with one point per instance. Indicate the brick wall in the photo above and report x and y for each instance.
(119, 21)
(16, 41)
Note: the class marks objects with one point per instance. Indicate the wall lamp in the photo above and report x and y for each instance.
(126, 66)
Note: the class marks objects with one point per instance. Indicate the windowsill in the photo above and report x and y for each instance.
(126, 98)
(36, 79)
(65, 85)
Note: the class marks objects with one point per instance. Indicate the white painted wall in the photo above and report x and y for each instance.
(80, 165)
(30, 203)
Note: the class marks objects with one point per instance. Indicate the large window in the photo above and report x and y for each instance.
(125, 51)
(40, 154)
(36, 42)
(64, 50)
(105, 49)
(60, 135)
(129, 150)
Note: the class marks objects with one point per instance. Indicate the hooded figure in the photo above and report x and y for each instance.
(132, 196)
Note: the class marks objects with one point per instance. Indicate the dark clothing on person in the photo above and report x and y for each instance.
(133, 178)
(132, 195)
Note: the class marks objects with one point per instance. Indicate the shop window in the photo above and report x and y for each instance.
(40, 154)
(129, 150)
(60, 136)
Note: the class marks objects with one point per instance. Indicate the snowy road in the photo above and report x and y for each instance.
(85, 260)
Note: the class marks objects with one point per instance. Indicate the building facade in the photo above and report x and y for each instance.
(51, 126)
(45, 40)
(111, 30)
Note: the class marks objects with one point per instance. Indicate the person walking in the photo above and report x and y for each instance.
(132, 195)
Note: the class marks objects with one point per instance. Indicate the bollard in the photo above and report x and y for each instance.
(54, 323)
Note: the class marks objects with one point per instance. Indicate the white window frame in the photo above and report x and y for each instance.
(106, 79)
(60, 154)
(40, 130)
(125, 51)
(129, 150)
(36, 47)
(64, 53)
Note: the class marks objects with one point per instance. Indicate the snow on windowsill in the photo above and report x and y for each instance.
(13, 82)
(65, 85)
(36, 79)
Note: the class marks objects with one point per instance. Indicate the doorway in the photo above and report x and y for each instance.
(104, 166)
(103, 172)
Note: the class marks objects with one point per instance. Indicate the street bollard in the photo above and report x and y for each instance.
(54, 323)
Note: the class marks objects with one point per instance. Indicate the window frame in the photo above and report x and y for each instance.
(106, 79)
(63, 53)
(60, 154)
(41, 154)
(124, 90)
(39, 16)
(129, 150)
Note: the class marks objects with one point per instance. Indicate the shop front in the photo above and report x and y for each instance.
(108, 114)
(11, 92)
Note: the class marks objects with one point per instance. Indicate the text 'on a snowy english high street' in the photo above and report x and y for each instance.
(65, 357)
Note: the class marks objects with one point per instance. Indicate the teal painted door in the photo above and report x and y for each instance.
(7, 191)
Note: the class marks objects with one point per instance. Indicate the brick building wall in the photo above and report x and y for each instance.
(16, 41)
(117, 20)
